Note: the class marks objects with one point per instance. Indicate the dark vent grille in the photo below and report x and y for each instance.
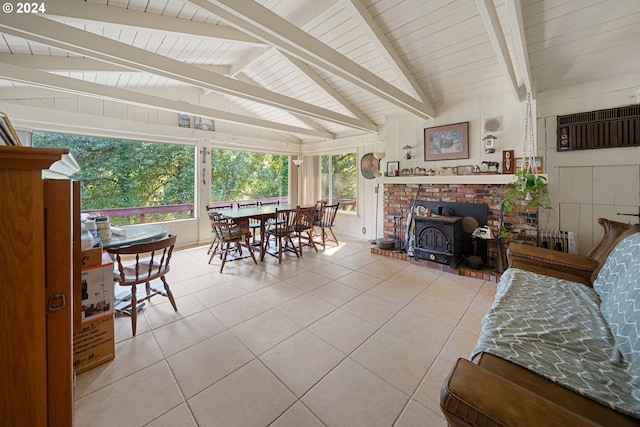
(614, 127)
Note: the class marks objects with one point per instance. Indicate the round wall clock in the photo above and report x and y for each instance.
(368, 166)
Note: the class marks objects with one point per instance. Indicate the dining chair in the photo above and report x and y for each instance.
(248, 205)
(254, 224)
(325, 222)
(230, 233)
(304, 224)
(214, 215)
(277, 202)
(282, 229)
(141, 263)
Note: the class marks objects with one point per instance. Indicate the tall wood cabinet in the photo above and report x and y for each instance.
(39, 232)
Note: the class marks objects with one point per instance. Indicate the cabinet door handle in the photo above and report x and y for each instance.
(60, 306)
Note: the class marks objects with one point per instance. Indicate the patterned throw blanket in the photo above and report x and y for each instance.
(556, 329)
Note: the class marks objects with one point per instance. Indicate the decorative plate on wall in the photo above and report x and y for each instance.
(368, 166)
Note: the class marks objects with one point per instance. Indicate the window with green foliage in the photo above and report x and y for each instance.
(340, 180)
(118, 173)
(245, 175)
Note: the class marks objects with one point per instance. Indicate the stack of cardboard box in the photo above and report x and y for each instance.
(94, 344)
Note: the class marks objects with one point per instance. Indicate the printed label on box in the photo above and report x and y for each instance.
(94, 344)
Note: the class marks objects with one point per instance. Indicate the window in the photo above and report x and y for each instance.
(130, 181)
(244, 175)
(339, 180)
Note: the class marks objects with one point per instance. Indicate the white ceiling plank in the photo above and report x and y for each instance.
(494, 31)
(79, 87)
(383, 47)
(514, 13)
(276, 31)
(65, 37)
(326, 87)
(82, 11)
(310, 123)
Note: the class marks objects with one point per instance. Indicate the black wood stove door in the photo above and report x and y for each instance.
(434, 240)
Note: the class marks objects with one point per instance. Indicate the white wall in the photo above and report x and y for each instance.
(586, 185)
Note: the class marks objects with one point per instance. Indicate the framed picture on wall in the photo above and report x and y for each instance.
(539, 164)
(447, 142)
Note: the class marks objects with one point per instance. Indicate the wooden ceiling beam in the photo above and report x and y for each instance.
(80, 64)
(496, 36)
(514, 13)
(265, 25)
(83, 12)
(79, 87)
(84, 43)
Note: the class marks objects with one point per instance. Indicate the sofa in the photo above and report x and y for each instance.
(560, 345)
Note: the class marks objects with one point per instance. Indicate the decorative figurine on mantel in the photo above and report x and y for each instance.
(490, 165)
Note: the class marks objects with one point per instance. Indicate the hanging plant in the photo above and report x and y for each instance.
(529, 189)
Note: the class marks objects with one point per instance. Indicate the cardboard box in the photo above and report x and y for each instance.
(94, 344)
(91, 257)
(97, 290)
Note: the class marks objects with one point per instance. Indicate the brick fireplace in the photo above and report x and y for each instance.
(397, 199)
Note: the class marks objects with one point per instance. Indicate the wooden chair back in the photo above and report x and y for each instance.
(151, 261)
(327, 215)
(248, 205)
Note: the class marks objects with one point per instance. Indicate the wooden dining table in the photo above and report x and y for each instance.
(263, 213)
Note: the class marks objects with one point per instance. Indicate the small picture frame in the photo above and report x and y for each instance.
(465, 170)
(184, 120)
(392, 168)
(204, 123)
(539, 164)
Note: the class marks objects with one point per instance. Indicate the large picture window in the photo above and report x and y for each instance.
(340, 180)
(243, 175)
(130, 181)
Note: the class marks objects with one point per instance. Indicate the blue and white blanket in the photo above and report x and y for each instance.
(585, 339)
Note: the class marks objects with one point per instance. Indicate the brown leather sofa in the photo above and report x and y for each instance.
(490, 391)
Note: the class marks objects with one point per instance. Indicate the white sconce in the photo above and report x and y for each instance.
(489, 143)
(406, 151)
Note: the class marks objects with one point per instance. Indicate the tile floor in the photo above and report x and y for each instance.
(338, 338)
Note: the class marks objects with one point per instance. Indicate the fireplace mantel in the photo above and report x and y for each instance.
(450, 179)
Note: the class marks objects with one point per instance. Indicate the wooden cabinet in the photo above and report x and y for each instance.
(39, 224)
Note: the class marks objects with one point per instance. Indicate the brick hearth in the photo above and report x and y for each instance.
(487, 274)
(398, 198)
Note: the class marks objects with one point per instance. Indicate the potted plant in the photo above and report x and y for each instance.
(529, 191)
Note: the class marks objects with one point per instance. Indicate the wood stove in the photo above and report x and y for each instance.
(439, 239)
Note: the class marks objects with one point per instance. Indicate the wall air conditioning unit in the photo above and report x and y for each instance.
(614, 127)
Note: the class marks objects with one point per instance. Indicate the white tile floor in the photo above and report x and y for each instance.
(339, 338)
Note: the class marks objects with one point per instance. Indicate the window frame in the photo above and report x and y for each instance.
(331, 154)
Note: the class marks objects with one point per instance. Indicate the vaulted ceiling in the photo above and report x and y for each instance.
(315, 69)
